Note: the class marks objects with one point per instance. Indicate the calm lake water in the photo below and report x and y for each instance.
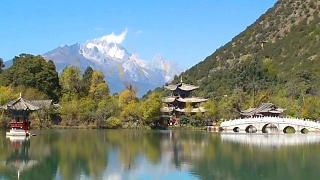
(131, 154)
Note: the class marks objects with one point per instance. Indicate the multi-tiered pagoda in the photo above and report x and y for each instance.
(176, 104)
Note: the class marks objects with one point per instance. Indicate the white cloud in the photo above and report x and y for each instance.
(139, 32)
(112, 38)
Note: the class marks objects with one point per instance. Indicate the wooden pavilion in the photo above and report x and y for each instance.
(264, 109)
(20, 110)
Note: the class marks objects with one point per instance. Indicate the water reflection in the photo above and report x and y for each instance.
(271, 140)
(136, 154)
(19, 159)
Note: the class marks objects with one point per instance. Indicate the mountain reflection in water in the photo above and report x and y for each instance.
(166, 154)
(271, 140)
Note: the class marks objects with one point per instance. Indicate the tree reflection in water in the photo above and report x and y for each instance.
(136, 154)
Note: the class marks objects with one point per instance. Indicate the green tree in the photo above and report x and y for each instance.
(1, 65)
(86, 81)
(211, 109)
(107, 107)
(98, 87)
(33, 72)
(131, 112)
(70, 82)
(151, 108)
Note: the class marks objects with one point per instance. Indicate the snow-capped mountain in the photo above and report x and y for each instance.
(118, 65)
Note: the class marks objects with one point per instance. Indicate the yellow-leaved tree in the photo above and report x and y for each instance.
(128, 94)
(98, 88)
(150, 108)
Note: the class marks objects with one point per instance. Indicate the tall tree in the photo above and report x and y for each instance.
(70, 82)
(150, 108)
(86, 81)
(128, 94)
(32, 71)
(1, 65)
(98, 87)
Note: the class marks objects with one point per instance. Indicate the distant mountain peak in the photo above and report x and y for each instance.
(107, 54)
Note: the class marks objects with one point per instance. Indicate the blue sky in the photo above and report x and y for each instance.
(183, 31)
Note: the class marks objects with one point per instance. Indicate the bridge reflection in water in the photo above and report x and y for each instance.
(271, 140)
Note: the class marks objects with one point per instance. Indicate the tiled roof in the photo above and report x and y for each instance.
(194, 110)
(263, 108)
(168, 99)
(192, 99)
(167, 109)
(182, 86)
(20, 104)
(44, 103)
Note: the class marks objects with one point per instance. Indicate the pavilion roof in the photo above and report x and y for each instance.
(182, 86)
(44, 103)
(20, 104)
(192, 99)
(263, 108)
(168, 99)
(167, 109)
(194, 110)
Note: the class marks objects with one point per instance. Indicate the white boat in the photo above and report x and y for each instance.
(18, 138)
(18, 132)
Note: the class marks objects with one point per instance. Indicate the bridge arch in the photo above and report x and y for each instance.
(236, 129)
(289, 129)
(251, 129)
(269, 127)
(304, 131)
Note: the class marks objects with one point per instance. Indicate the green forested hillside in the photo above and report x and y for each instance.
(276, 59)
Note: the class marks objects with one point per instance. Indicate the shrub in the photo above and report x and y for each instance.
(4, 121)
(197, 121)
(113, 123)
(184, 120)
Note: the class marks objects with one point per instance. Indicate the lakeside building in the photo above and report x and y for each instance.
(20, 109)
(181, 102)
(265, 109)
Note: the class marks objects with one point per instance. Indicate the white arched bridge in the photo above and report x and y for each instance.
(270, 124)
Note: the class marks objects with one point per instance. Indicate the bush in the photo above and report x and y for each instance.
(113, 123)
(184, 120)
(197, 121)
(4, 121)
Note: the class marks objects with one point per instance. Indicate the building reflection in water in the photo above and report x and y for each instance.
(271, 140)
(19, 159)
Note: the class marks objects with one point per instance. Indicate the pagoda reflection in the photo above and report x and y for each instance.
(19, 159)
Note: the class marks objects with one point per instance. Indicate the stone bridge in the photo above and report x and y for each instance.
(270, 124)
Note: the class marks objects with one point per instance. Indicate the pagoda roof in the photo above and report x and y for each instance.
(263, 108)
(182, 86)
(192, 99)
(168, 99)
(194, 110)
(166, 109)
(20, 104)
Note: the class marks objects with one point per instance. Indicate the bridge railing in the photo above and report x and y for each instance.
(271, 119)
